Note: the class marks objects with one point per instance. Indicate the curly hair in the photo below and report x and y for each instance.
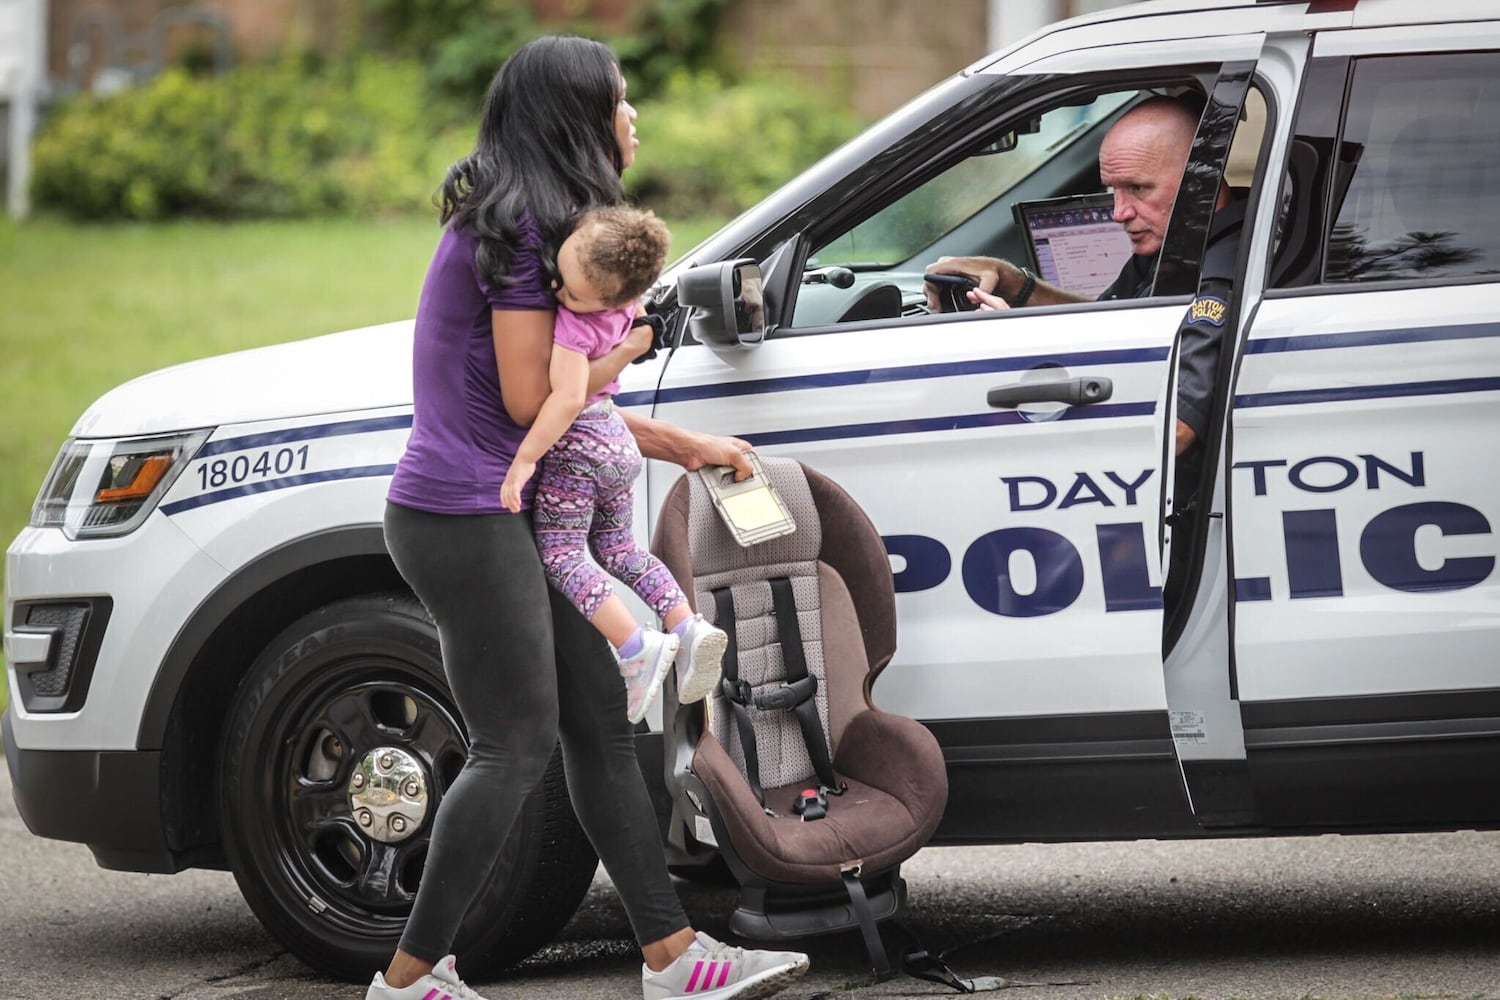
(621, 251)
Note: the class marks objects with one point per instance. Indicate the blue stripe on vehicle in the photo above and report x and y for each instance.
(309, 433)
(266, 485)
(1252, 588)
(1345, 393)
(714, 391)
(1372, 338)
(959, 422)
(903, 373)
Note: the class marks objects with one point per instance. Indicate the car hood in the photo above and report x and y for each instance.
(360, 369)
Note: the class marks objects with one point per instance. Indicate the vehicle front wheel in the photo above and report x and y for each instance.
(340, 744)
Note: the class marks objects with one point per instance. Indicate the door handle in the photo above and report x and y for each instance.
(1073, 391)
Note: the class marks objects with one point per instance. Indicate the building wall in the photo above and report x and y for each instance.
(123, 31)
(873, 55)
(86, 37)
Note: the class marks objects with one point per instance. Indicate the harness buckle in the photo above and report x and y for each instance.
(811, 804)
(788, 696)
(735, 690)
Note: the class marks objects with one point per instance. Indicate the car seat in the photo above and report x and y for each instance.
(813, 796)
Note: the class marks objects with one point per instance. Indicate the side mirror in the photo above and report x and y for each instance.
(727, 305)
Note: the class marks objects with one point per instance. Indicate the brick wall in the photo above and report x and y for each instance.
(124, 32)
(872, 54)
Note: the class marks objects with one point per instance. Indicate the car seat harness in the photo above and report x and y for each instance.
(796, 694)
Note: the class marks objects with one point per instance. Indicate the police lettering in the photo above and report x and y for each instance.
(1056, 577)
(1026, 571)
(1332, 473)
(1039, 493)
(1208, 310)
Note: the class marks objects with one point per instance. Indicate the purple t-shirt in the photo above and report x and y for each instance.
(594, 335)
(462, 440)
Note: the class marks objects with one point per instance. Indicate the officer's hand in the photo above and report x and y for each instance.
(985, 270)
(987, 301)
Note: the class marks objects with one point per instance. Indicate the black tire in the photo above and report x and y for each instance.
(354, 675)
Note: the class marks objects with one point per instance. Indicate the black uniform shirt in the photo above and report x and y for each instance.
(1201, 332)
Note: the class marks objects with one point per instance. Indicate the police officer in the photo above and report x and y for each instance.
(1142, 159)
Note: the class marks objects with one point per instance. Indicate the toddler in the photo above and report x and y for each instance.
(589, 461)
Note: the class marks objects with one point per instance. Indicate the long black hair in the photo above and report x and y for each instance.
(546, 143)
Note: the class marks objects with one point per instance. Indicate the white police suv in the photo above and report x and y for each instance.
(208, 648)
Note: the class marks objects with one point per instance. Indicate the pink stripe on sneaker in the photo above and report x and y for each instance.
(693, 979)
(708, 977)
(723, 976)
(431, 995)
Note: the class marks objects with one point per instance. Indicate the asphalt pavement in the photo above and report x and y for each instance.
(1406, 916)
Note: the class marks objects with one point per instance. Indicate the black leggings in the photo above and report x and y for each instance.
(481, 580)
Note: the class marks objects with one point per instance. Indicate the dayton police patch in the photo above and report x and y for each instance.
(1208, 309)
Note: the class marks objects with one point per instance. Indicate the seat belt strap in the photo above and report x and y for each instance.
(874, 946)
(794, 660)
(737, 692)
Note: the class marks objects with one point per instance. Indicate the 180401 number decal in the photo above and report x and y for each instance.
(232, 471)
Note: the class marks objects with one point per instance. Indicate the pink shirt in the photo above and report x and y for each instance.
(594, 335)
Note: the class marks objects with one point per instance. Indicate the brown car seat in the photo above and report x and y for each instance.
(813, 796)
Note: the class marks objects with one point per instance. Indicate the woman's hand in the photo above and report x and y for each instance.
(712, 449)
(515, 479)
(638, 341)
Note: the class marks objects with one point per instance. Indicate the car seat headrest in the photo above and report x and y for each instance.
(714, 548)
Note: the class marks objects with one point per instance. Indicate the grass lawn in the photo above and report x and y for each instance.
(88, 307)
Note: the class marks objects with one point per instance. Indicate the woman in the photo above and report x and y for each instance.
(555, 133)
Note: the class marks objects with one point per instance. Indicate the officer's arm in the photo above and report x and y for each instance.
(1198, 347)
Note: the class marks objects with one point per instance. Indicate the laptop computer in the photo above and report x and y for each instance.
(1073, 242)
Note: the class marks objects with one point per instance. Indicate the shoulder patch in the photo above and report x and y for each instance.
(1208, 309)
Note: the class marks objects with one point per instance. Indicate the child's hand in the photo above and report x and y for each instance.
(510, 490)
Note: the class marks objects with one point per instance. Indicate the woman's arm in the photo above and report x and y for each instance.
(523, 352)
(605, 369)
(523, 345)
(569, 374)
(689, 449)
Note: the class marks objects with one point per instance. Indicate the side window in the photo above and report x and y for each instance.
(1421, 155)
(872, 269)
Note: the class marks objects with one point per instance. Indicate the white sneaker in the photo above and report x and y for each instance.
(442, 983)
(712, 970)
(645, 671)
(698, 659)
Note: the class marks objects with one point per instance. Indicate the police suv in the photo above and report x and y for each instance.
(207, 645)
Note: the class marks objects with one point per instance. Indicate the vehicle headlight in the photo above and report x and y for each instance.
(106, 487)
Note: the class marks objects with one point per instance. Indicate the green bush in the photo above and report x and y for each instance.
(273, 140)
(294, 140)
(708, 147)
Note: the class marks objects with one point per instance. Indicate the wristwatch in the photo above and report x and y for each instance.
(1028, 285)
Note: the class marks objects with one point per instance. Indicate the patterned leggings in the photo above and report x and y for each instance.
(584, 496)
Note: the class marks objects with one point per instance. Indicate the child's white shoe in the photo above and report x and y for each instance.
(645, 671)
(699, 658)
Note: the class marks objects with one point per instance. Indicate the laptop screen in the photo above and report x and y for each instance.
(1074, 243)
